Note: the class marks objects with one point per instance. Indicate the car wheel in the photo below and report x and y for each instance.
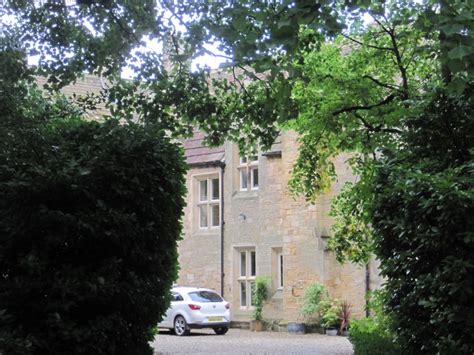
(221, 330)
(180, 326)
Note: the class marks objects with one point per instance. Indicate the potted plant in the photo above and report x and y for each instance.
(310, 310)
(259, 297)
(344, 317)
(330, 316)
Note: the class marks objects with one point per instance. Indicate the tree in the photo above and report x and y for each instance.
(424, 233)
(90, 216)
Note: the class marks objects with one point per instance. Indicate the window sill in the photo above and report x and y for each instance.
(213, 231)
(278, 295)
(246, 194)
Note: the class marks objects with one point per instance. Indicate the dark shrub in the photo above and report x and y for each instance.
(423, 218)
(89, 222)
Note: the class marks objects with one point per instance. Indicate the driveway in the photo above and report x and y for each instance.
(238, 341)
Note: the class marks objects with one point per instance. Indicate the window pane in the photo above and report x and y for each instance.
(215, 189)
(243, 294)
(243, 179)
(255, 178)
(252, 290)
(243, 263)
(203, 216)
(252, 263)
(253, 158)
(215, 215)
(243, 160)
(280, 282)
(203, 190)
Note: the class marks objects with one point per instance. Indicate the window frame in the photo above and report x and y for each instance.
(209, 203)
(247, 165)
(246, 282)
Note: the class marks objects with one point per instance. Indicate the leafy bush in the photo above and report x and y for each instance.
(372, 338)
(259, 296)
(329, 310)
(314, 294)
(423, 218)
(89, 222)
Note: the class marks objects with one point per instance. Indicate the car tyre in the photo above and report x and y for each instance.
(221, 330)
(180, 326)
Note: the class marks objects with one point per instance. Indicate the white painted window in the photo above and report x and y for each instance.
(208, 205)
(248, 173)
(246, 278)
(277, 268)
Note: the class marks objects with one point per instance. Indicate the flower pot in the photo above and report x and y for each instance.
(256, 325)
(295, 327)
(331, 331)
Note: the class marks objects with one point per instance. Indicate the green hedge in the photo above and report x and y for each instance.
(370, 338)
(422, 213)
(90, 216)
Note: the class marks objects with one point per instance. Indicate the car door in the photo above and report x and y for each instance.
(167, 321)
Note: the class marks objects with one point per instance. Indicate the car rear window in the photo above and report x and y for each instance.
(205, 296)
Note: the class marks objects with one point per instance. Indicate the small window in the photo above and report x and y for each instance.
(243, 179)
(208, 204)
(248, 173)
(253, 264)
(246, 278)
(280, 270)
(215, 218)
(277, 268)
(243, 263)
(243, 294)
(215, 189)
(203, 216)
(176, 297)
(252, 292)
(254, 178)
(203, 190)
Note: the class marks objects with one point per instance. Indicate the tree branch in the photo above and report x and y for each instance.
(356, 108)
(365, 44)
(378, 128)
(379, 83)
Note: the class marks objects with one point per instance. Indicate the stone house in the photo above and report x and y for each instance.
(241, 222)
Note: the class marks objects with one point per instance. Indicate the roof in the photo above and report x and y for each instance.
(197, 153)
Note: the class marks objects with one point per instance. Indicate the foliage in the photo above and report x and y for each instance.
(330, 310)
(259, 296)
(314, 295)
(344, 316)
(89, 222)
(369, 337)
(374, 335)
(352, 233)
(422, 216)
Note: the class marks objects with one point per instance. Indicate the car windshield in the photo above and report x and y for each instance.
(205, 296)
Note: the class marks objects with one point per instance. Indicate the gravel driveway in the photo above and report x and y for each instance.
(238, 341)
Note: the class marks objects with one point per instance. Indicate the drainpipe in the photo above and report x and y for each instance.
(222, 228)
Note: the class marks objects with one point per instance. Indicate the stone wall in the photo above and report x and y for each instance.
(270, 220)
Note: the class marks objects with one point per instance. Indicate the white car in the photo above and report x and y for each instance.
(193, 307)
